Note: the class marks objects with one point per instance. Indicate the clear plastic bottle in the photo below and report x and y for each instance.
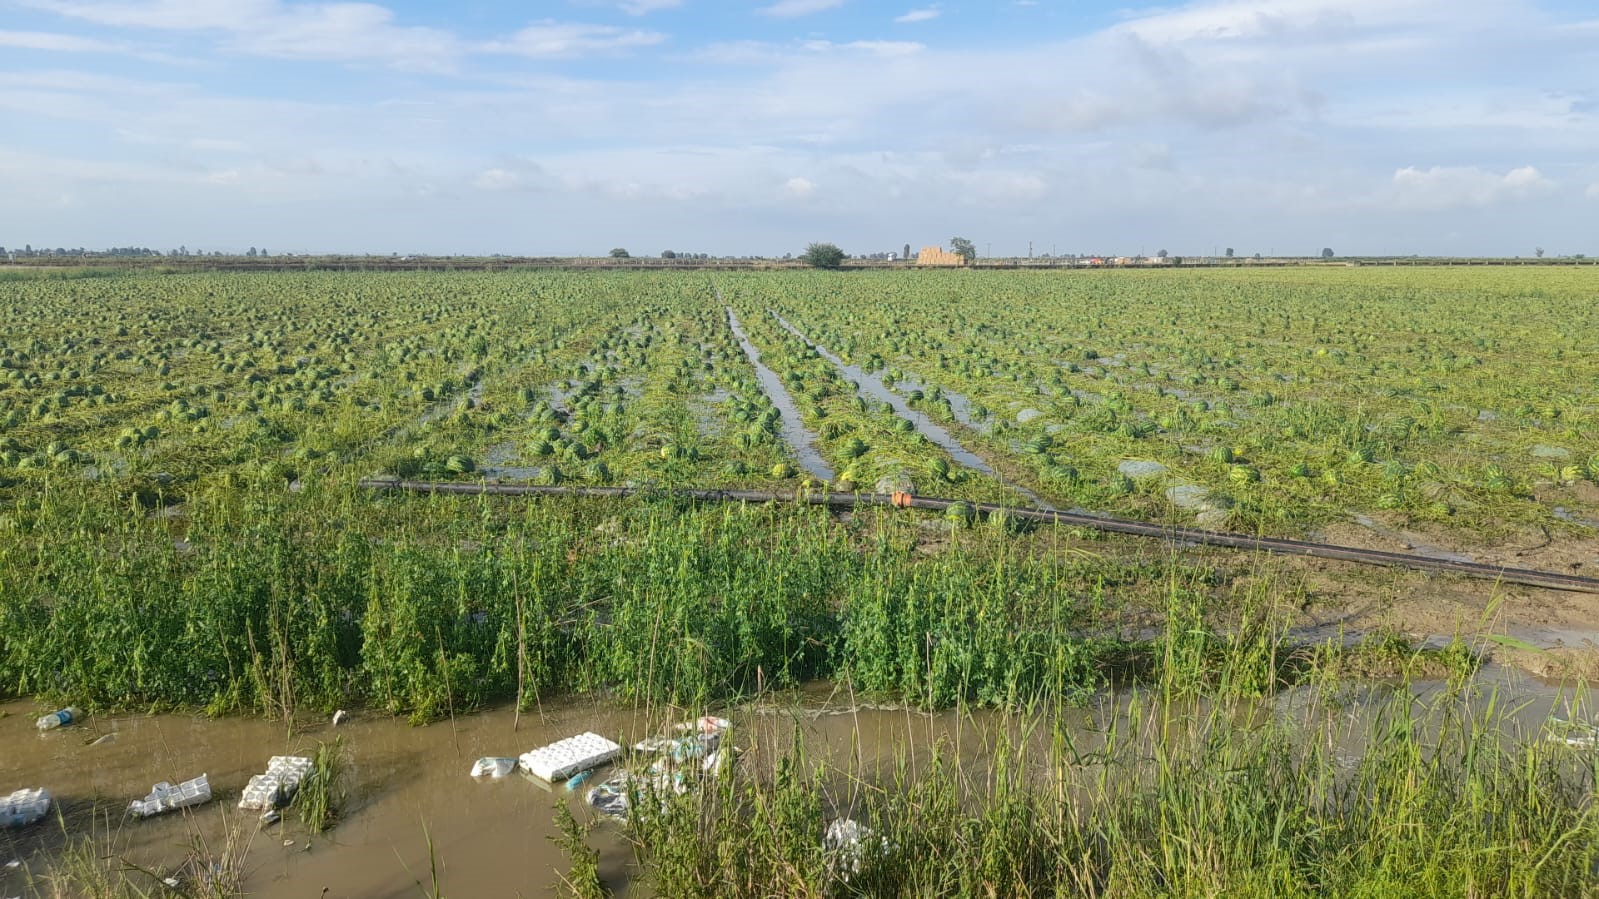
(56, 719)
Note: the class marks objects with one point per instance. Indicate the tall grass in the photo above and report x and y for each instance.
(1446, 798)
(277, 601)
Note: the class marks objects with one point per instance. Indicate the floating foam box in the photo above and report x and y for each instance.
(164, 797)
(24, 807)
(562, 759)
(278, 785)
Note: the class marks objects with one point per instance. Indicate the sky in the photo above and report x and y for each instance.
(1451, 127)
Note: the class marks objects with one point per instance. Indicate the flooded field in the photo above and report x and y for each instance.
(410, 792)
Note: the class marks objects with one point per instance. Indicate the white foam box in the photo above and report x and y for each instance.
(564, 758)
(277, 785)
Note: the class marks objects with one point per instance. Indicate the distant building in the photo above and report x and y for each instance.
(938, 256)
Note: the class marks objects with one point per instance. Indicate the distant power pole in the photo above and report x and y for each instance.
(1029, 249)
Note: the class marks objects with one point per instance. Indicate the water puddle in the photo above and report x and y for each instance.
(1567, 515)
(959, 405)
(799, 439)
(1417, 547)
(875, 388)
(707, 422)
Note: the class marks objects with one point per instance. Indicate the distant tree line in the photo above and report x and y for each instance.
(28, 252)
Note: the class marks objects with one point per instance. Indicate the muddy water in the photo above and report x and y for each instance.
(411, 784)
(407, 785)
(875, 387)
(799, 439)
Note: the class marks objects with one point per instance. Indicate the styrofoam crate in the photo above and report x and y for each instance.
(564, 758)
(263, 792)
(164, 797)
(278, 785)
(290, 770)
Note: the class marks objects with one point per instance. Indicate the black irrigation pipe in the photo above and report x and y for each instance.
(1281, 546)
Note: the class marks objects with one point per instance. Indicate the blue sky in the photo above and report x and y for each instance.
(1271, 126)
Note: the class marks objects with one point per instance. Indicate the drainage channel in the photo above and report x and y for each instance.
(799, 439)
(874, 387)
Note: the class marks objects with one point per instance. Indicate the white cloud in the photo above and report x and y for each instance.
(871, 48)
(1247, 19)
(565, 40)
(1445, 187)
(272, 28)
(64, 43)
(785, 9)
(799, 188)
(497, 179)
(645, 7)
(918, 15)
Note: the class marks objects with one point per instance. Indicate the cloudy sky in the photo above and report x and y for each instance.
(573, 126)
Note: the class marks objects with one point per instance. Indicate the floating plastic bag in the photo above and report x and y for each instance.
(493, 766)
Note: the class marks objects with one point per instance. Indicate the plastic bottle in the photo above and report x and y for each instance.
(56, 719)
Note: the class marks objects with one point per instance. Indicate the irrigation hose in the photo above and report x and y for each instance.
(1282, 546)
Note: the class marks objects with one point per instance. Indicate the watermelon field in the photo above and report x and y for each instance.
(184, 531)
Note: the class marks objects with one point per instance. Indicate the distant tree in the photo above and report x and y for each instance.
(251, 254)
(1161, 255)
(1538, 251)
(907, 252)
(668, 254)
(1229, 252)
(1257, 255)
(27, 249)
(619, 253)
(263, 251)
(1326, 253)
(823, 255)
(963, 248)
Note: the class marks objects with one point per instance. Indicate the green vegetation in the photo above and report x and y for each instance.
(822, 255)
(1446, 798)
(181, 527)
(320, 798)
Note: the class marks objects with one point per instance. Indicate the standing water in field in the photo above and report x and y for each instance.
(873, 386)
(411, 795)
(795, 434)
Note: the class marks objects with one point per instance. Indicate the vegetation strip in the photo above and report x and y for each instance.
(1522, 576)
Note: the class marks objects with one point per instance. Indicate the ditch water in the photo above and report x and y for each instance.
(799, 439)
(410, 786)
